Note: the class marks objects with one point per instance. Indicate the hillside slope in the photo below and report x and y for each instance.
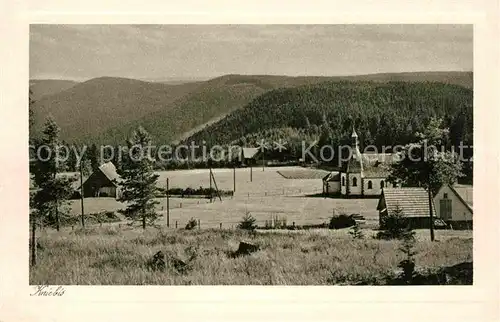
(91, 107)
(106, 110)
(44, 87)
(383, 113)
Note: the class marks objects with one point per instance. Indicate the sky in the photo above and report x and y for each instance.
(161, 52)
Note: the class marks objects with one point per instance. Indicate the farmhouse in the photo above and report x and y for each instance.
(453, 204)
(363, 175)
(414, 203)
(103, 182)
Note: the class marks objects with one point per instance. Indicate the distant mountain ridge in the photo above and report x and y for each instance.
(43, 87)
(107, 109)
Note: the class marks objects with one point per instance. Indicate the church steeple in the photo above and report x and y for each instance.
(354, 137)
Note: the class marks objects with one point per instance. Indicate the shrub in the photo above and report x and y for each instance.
(408, 264)
(394, 225)
(341, 221)
(192, 223)
(247, 222)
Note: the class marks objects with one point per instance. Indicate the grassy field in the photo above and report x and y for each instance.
(118, 256)
(269, 194)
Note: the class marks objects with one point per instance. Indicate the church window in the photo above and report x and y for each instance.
(343, 181)
(354, 182)
(382, 184)
(370, 184)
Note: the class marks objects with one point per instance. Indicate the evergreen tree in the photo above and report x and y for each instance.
(139, 180)
(53, 191)
(93, 155)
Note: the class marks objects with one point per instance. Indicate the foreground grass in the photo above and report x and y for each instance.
(118, 256)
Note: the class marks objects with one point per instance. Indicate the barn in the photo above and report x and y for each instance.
(414, 202)
(454, 205)
(104, 182)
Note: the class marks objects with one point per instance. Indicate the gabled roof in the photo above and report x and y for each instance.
(373, 165)
(332, 176)
(463, 193)
(109, 170)
(375, 159)
(249, 153)
(413, 201)
(376, 172)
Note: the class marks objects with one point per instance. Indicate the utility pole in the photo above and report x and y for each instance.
(210, 176)
(234, 179)
(263, 161)
(168, 203)
(81, 193)
(215, 184)
(251, 172)
(431, 213)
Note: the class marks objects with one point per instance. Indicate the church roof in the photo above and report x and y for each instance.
(373, 165)
(354, 134)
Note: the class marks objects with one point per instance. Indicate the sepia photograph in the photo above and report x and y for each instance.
(250, 154)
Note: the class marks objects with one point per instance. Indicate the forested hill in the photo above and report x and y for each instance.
(383, 113)
(107, 109)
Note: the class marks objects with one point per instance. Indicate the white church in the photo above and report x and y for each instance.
(363, 175)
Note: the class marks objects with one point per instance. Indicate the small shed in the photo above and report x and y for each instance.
(454, 205)
(414, 202)
(104, 182)
(331, 183)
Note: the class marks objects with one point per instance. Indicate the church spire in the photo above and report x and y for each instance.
(354, 137)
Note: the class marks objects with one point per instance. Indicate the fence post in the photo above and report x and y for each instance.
(180, 205)
(220, 225)
(293, 224)
(176, 224)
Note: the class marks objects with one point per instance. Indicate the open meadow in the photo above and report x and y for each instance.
(120, 256)
(269, 194)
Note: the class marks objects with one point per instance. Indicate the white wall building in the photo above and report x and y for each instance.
(453, 204)
(364, 174)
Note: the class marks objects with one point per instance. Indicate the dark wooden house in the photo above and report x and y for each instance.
(104, 182)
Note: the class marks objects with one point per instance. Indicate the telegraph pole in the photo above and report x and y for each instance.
(168, 204)
(234, 179)
(81, 193)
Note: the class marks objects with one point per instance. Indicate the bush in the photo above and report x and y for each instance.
(341, 221)
(192, 223)
(394, 226)
(248, 222)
